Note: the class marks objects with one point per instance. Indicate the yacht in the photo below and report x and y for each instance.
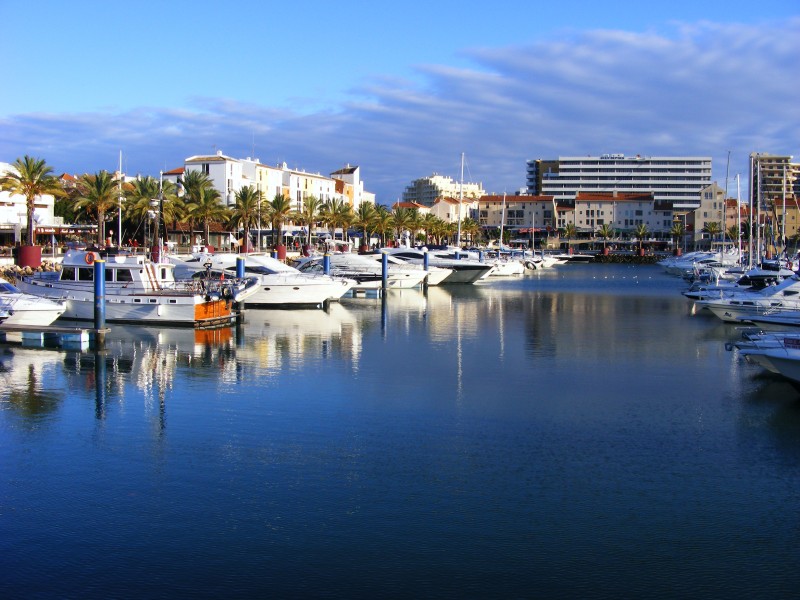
(784, 295)
(366, 272)
(19, 308)
(776, 352)
(138, 290)
(464, 270)
(278, 284)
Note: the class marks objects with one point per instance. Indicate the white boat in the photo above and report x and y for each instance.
(366, 272)
(749, 281)
(780, 296)
(19, 308)
(538, 261)
(434, 275)
(777, 353)
(138, 290)
(566, 258)
(464, 270)
(278, 284)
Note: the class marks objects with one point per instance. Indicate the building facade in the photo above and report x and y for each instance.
(676, 179)
(425, 191)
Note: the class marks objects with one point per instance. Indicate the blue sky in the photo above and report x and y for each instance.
(401, 89)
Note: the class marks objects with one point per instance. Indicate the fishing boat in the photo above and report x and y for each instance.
(19, 308)
(138, 290)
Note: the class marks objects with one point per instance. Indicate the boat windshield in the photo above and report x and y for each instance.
(7, 288)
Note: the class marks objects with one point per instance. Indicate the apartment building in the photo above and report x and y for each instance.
(517, 212)
(675, 179)
(426, 190)
(229, 175)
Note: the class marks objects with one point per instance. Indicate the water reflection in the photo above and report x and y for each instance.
(26, 376)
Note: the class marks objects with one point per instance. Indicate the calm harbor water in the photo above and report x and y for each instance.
(575, 433)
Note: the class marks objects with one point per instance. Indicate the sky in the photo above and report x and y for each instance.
(400, 89)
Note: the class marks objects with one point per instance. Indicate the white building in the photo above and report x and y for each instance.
(425, 191)
(676, 179)
(230, 175)
(14, 213)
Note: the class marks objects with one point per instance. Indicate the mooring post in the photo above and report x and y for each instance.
(384, 270)
(99, 304)
(326, 264)
(240, 267)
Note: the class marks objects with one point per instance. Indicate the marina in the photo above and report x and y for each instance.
(577, 431)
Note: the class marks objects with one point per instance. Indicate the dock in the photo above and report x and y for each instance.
(41, 336)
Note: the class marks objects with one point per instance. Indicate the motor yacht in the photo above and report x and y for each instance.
(278, 284)
(19, 308)
(138, 290)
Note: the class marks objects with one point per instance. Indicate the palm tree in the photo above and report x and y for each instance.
(605, 231)
(30, 177)
(641, 233)
(206, 208)
(138, 199)
(308, 215)
(429, 226)
(570, 231)
(97, 194)
(336, 213)
(712, 228)
(364, 220)
(677, 232)
(246, 211)
(470, 227)
(403, 219)
(195, 185)
(278, 211)
(384, 221)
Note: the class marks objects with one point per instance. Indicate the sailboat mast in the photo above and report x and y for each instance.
(119, 220)
(738, 218)
(725, 207)
(460, 202)
(502, 222)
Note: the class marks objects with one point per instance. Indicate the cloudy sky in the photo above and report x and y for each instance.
(400, 89)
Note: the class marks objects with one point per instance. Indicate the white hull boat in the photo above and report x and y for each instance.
(278, 284)
(19, 308)
(138, 290)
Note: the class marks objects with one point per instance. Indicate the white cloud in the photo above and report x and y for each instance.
(704, 90)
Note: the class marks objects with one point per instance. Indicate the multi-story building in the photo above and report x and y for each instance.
(712, 209)
(14, 215)
(229, 175)
(676, 179)
(772, 178)
(624, 212)
(520, 212)
(425, 191)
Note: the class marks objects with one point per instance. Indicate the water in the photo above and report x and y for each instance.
(577, 433)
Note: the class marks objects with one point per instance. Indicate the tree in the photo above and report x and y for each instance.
(97, 195)
(308, 215)
(246, 211)
(195, 186)
(677, 232)
(384, 221)
(278, 211)
(605, 231)
(403, 220)
(712, 228)
(569, 232)
(641, 233)
(336, 213)
(470, 228)
(30, 177)
(206, 208)
(364, 219)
